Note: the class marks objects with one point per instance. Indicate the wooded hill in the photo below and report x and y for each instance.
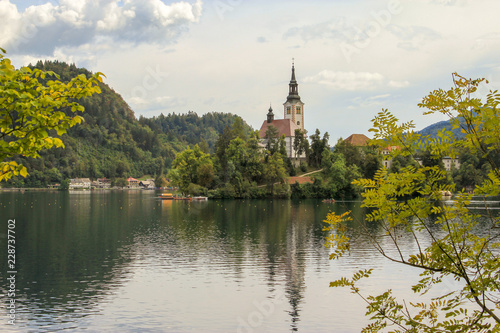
(112, 142)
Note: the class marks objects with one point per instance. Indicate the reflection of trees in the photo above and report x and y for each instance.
(71, 250)
(75, 249)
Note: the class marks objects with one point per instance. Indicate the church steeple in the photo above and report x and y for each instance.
(270, 115)
(293, 86)
(294, 108)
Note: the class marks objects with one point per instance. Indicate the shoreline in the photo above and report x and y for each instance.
(37, 189)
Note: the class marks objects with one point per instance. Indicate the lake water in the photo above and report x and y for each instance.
(126, 262)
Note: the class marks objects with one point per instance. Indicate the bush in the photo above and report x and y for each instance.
(196, 190)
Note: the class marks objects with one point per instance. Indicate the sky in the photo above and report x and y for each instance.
(352, 58)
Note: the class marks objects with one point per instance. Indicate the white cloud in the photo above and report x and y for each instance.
(398, 84)
(334, 29)
(413, 37)
(370, 102)
(41, 29)
(347, 80)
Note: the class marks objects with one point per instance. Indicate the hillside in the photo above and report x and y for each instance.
(433, 129)
(112, 142)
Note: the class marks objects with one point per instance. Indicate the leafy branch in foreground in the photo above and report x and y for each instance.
(452, 240)
(33, 103)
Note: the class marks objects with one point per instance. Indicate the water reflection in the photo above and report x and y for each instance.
(125, 261)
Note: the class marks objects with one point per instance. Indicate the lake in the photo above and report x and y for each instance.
(124, 261)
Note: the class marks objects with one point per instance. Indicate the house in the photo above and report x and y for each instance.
(450, 162)
(358, 140)
(132, 182)
(80, 183)
(147, 184)
(101, 183)
(387, 161)
(293, 118)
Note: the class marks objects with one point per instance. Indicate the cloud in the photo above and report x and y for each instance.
(335, 29)
(43, 28)
(262, 39)
(347, 80)
(413, 37)
(398, 84)
(369, 102)
(487, 41)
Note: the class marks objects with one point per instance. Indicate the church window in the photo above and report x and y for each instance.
(298, 109)
(288, 110)
(298, 123)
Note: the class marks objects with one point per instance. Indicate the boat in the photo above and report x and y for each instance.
(200, 198)
(329, 200)
(166, 196)
(182, 198)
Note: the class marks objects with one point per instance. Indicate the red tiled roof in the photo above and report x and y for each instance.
(300, 180)
(284, 126)
(358, 140)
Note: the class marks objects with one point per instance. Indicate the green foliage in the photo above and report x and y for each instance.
(196, 190)
(272, 136)
(408, 200)
(34, 106)
(366, 158)
(119, 182)
(340, 175)
(192, 166)
(318, 145)
(161, 181)
(300, 143)
(64, 185)
(274, 171)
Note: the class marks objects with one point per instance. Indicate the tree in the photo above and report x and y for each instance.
(274, 171)
(32, 106)
(456, 250)
(317, 147)
(191, 166)
(64, 186)
(340, 174)
(160, 181)
(299, 146)
(271, 136)
(119, 182)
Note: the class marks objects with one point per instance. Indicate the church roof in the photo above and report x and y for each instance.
(358, 140)
(284, 126)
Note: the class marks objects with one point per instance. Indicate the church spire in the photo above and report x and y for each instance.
(270, 115)
(294, 107)
(293, 71)
(293, 87)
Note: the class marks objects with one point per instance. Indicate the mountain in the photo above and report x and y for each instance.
(112, 142)
(433, 129)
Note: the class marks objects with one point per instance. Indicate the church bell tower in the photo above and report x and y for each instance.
(294, 108)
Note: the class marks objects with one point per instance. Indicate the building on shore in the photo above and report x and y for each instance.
(80, 183)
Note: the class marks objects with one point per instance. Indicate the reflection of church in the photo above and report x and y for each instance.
(293, 117)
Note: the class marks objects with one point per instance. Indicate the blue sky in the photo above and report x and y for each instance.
(352, 58)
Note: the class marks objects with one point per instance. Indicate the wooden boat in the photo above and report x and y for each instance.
(200, 198)
(329, 200)
(182, 198)
(166, 196)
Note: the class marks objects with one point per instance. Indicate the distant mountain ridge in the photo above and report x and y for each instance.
(432, 130)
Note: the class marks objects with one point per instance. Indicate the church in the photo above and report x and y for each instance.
(293, 113)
